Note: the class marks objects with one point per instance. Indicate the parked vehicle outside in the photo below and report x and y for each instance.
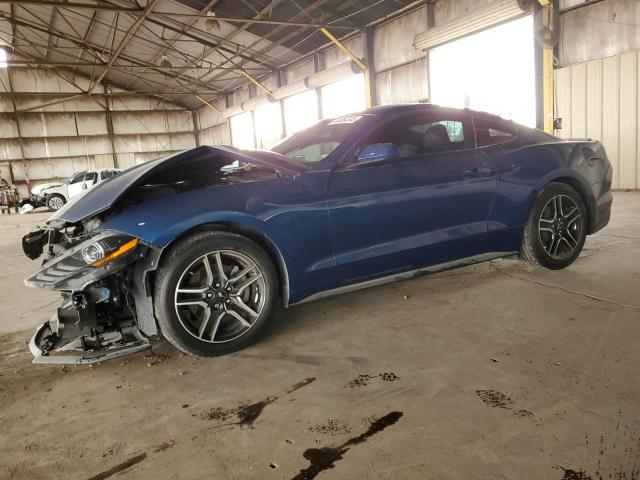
(55, 195)
(203, 245)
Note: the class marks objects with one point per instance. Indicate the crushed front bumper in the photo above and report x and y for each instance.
(49, 348)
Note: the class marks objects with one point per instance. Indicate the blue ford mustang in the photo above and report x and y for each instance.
(204, 244)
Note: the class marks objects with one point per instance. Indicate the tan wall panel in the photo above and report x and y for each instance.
(594, 99)
(610, 117)
(628, 119)
(563, 101)
(599, 99)
(578, 101)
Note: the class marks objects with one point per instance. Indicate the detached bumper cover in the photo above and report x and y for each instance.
(48, 348)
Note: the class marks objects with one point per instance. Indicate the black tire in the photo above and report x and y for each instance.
(541, 234)
(172, 269)
(52, 201)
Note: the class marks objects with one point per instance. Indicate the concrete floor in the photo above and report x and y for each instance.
(494, 371)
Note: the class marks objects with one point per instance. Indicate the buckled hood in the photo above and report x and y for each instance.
(104, 195)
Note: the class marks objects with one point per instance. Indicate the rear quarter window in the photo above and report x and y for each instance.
(492, 132)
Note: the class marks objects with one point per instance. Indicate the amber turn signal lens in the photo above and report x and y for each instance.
(124, 248)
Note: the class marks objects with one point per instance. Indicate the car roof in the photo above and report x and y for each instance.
(408, 107)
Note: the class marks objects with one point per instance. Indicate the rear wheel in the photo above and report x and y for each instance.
(556, 229)
(214, 292)
(55, 201)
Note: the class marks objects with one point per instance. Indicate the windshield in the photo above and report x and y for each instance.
(316, 143)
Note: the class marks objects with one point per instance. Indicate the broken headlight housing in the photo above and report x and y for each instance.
(86, 262)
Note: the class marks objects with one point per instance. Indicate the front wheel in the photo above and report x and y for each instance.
(55, 201)
(214, 292)
(556, 229)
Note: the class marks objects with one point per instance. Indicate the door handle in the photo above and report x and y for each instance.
(477, 172)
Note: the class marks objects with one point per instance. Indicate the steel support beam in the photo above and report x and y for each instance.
(91, 6)
(548, 93)
(257, 82)
(370, 72)
(25, 163)
(369, 75)
(196, 129)
(254, 21)
(208, 104)
(123, 68)
(110, 132)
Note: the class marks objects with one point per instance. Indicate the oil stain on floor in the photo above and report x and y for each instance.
(321, 459)
(246, 415)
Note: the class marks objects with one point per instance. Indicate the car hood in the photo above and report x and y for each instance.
(106, 194)
(40, 188)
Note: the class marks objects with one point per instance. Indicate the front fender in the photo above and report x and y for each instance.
(160, 227)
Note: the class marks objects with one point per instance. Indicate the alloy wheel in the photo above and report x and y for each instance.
(55, 203)
(220, 295)
(560, 227)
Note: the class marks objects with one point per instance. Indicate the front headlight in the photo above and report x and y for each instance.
(93, 253)
(84, 259)
(99, 253)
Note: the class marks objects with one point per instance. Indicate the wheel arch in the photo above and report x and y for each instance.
(253, 234)
(579, 186)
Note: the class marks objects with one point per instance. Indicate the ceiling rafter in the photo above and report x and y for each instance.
(293, 34)
(305, 11)
(92, 48)
(90, 6)
(71, 95)
(310, 8)
(173, 41)
(123, 43)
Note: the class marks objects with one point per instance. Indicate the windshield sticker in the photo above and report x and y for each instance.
(345, 119)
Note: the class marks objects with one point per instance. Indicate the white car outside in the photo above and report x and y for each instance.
(56, 195)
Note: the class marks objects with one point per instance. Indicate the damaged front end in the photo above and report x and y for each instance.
(103, 273)
(102, 278)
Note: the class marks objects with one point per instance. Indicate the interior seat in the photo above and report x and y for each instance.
(436, 139)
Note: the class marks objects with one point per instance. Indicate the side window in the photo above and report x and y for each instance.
(491, 132)
(78, 177)
(423, 134)
(91, 178)
(106, 174)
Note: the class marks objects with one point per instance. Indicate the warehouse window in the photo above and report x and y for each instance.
(300, 111)
(344, 96)
(492, 71)
(242, 135)
(268, 124)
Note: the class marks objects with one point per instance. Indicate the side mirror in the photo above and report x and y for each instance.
(378, 151)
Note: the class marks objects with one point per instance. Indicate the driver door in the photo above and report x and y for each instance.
(76, 184)
(427, 205)
(90, 179)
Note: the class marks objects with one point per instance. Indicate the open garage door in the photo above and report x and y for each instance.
(492, 70)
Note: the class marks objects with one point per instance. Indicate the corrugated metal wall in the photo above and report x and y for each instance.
(599, 99)
(71, 136)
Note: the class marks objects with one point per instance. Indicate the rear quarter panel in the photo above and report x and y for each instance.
(525, 167)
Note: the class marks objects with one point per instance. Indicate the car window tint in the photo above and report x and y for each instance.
(423, 134)
(312, 153)
(91, 177)
(314, 144)
(491, 132)
(78, 177)
(107, 173)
